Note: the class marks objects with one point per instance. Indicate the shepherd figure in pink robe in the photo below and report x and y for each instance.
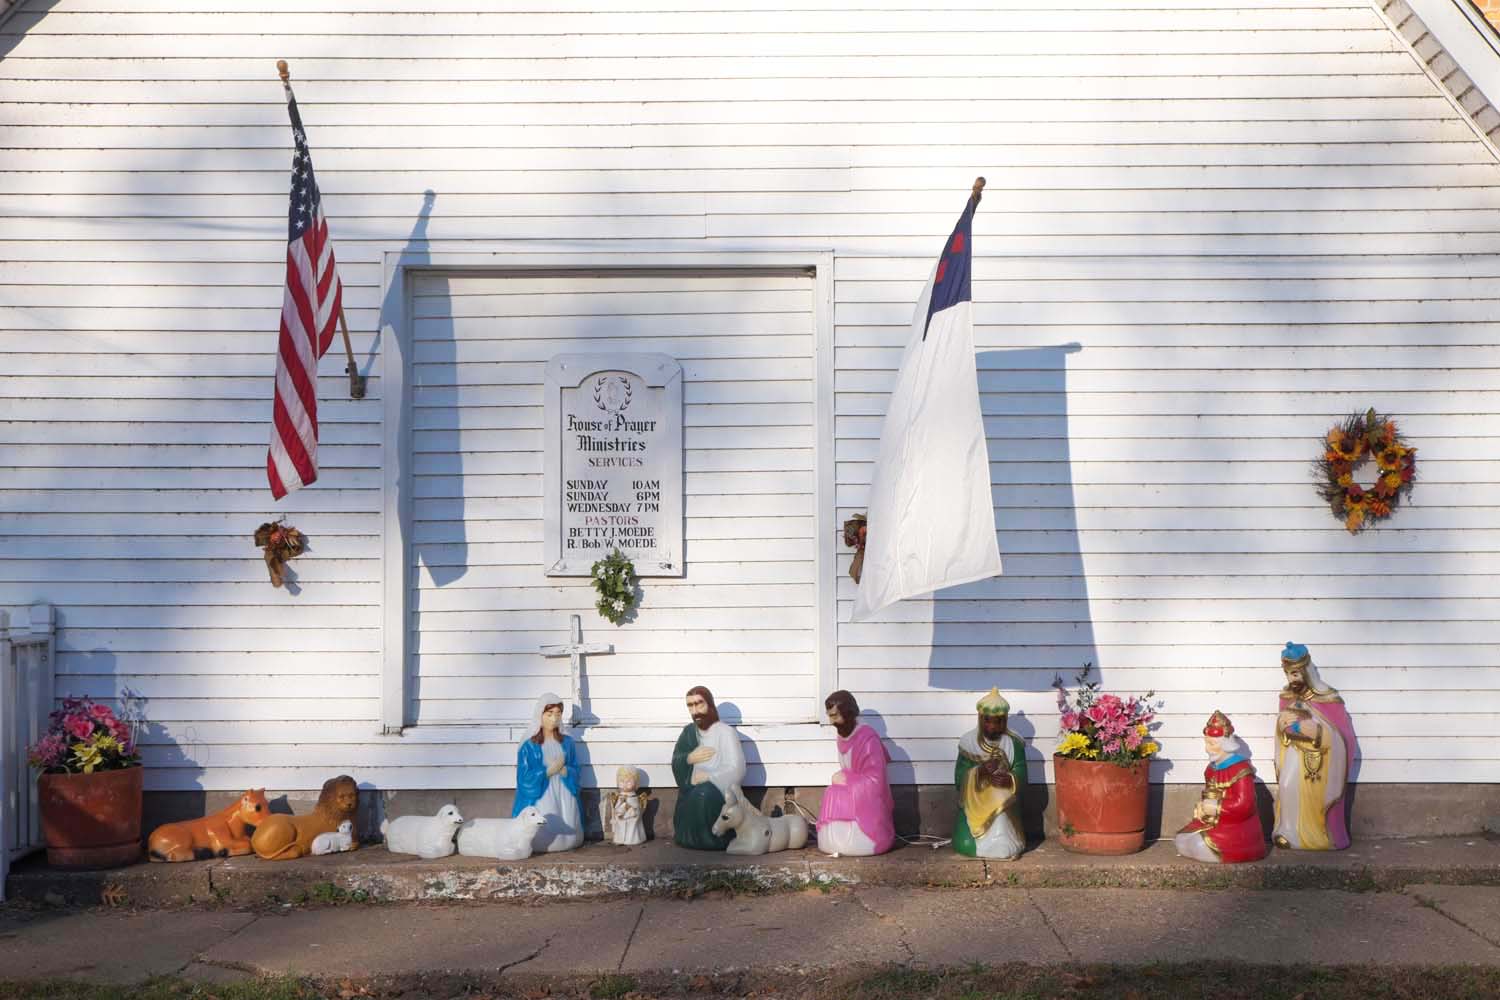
(858, 814)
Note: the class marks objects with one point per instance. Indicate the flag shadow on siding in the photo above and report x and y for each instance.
(1020, 630)
(433, 356)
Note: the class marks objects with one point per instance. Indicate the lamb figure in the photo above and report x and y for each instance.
(755, 833)
(425, 836)
(335, 843)
(505, 839)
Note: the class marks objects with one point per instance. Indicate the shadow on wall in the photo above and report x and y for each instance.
(19, 17)
(394, 322)
(1020, 630)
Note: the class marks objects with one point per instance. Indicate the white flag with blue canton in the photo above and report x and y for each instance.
(931, 515)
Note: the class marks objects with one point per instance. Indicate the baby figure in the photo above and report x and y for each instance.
(626, 808)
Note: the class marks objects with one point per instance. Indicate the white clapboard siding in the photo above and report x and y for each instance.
(748, 484)
(1211, 230)
(1165, 529)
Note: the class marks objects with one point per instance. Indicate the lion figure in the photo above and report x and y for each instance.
(281, 837)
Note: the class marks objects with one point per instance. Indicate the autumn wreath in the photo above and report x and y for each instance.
(1350, 445)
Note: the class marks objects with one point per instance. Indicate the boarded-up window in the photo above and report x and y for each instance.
(742, 620)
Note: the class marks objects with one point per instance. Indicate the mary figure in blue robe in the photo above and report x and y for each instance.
(547, 777)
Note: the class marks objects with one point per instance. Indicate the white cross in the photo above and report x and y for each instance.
(575, 650)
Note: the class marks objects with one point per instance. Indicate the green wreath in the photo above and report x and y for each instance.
(615, 582)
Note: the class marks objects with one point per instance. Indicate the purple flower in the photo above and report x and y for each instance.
(48, 752)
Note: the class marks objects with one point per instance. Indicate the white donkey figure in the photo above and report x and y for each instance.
(755, 833)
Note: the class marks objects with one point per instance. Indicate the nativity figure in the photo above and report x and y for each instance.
(625, 809)
(990, 774)
(708, 765)
(1226, 822)
(1314, 750)
(547, 778)
(858, 813)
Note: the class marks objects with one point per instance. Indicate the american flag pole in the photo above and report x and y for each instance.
(356, 380)
(312, 305)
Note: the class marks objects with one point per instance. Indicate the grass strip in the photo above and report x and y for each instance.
(1015, 981)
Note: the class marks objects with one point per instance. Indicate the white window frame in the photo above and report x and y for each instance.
(398, 270)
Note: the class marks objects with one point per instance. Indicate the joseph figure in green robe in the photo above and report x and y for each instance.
(706, 763)
(989, 776)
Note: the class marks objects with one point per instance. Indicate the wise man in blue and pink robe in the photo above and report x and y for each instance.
(1314, 752)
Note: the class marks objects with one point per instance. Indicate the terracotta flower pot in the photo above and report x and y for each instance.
(92, 820)
(1101, 807)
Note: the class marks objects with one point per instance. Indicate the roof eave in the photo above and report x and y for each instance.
(1460, 51)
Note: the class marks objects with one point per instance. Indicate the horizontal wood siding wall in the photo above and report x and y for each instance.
(741, 621)
(1212, 227)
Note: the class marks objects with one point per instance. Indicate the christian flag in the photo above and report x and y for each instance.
(310, 308)
(931, 516)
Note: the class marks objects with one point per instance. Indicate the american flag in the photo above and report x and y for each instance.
(310, 309)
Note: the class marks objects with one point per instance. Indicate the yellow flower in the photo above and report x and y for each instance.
(1148, 748)
(87, 756)
(1140, 727)
(1347, 479)
(1074, 743)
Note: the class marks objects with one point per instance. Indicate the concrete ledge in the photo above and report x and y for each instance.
(657, 868)
(1376, 810)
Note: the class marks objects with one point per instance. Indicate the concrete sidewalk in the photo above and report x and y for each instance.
(787, 932)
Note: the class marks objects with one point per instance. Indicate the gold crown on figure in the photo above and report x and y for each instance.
(993, 703)
(1218, 725)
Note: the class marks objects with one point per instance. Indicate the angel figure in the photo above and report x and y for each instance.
(625, 808)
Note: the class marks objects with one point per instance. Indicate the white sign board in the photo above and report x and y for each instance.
(613, 462)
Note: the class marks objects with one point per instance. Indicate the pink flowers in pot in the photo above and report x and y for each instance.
(83, 737)
(1098, 726)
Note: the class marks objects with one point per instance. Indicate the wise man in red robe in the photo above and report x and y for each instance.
(1226, 822)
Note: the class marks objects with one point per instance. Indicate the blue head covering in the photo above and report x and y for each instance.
(1294, 652)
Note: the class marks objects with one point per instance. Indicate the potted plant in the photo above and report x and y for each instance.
(89, 787)
(1100, 768)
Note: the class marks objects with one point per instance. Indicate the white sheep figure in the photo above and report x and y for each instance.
(755, 833)
(505, 839)
(335, 843)
(425, 836)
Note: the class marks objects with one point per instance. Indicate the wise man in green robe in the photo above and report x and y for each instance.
(707, 764)
(989, 775)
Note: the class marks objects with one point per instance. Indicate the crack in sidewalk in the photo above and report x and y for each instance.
(546, 943)
(1437, 907)
(200, 958)
(631, 939)
(902, 933)
(1043, 914)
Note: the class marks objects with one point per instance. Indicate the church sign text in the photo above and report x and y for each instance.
(613, 462)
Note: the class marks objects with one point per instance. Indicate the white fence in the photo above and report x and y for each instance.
(26, 665)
